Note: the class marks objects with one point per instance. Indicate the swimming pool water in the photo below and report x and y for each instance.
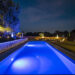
(37, 57)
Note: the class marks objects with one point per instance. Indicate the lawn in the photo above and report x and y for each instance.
(69, 45)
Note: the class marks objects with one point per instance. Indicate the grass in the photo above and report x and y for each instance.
(69, 45)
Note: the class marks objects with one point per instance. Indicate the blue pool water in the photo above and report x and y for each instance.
(37, 57)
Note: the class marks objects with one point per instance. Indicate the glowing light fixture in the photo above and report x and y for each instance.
(20, 64)
(12, 59)
(12, 35)
(33, 45)
(57, 37)
(63, 40)
(30, 45)
(41, 35)
(7, 29)
(24, 65)
(2, 29)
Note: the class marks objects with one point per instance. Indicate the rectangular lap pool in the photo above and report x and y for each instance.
(37, 57)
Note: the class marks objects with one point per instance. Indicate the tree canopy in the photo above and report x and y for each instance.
(9, 12)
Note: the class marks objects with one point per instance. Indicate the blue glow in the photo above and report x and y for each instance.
(12, 59)
(12, 35)
(20, 64)
(32, 45)
(37, 57)
(24, 65)
(67, 62)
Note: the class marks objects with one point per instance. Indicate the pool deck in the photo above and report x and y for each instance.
(63, 50)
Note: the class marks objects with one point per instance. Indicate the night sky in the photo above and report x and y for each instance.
(47, 15)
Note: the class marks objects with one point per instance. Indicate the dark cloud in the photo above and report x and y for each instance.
(47, 14)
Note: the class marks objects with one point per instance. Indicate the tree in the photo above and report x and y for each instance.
(66, 33)
(10, 11)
